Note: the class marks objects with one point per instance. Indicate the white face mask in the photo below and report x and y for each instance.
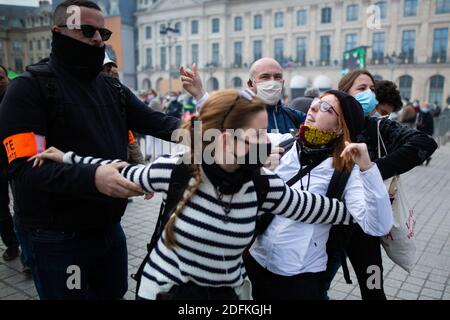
(269, 91)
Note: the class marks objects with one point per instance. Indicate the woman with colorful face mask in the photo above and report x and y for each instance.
(199, 254)
(406, 149)
(289, 259)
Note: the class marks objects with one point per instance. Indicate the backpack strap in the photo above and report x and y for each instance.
(336, 190)
(294, 118)
(179, 180)
(287, 144)
(48, 85)
(118, 86)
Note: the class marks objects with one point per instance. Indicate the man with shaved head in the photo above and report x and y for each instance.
(266, 81)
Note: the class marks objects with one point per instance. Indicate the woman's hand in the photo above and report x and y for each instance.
(359, 154)
(51, 153)
(274, 159)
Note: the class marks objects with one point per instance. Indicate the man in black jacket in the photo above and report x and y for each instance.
(68, 217)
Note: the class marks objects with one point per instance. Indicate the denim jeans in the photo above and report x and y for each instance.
(76, 265)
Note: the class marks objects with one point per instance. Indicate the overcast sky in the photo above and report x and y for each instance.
(21, 2)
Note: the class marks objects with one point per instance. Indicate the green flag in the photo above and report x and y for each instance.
(12, 75)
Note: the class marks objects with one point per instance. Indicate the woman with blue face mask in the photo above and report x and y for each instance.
(406, 149)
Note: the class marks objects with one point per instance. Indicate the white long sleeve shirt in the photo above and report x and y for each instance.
(289, 248)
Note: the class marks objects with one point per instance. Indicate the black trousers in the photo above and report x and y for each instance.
(6, 223)
(270, 286)
(191, 291)
(364, 253)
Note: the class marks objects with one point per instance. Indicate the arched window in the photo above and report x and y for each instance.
(237, 82)
(436, 89)
(405, 86)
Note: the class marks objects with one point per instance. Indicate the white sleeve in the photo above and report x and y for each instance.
(202, 100)
(277, 138)
(368, 202)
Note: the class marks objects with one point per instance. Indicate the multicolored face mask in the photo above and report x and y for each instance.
(313, 137)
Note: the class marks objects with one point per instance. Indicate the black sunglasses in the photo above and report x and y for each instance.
(89, 31)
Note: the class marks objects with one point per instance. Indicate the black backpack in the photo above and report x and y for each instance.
(179, 180)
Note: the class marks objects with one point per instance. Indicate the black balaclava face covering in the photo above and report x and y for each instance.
(82, 60)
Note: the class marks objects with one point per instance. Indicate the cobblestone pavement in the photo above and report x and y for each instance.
(428, 190)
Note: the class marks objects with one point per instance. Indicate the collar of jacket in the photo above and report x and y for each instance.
(275, 108)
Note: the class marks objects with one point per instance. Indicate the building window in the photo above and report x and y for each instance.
(377, 77)
(237, 82)
(178, 27)
(351, 41)
(148, 32)
(408, 44)
(405, 86)
(238, 54)
(237, 23)
(162, 28)
(178, 56)
(436, 90)
(194, 27)
(163, 58)
(18, 64)
(39, 45)
(440, 45)
(30, 45)
(194, 53)
(301, 51)
(215, 25)
(382, 5)
(410, 8)
(279, 19)
(301, 18)
(325, 50)
(326, 15)
(352, 12)
(257, 22)
(378, 47)
(48, 43)
(149, 57)
(257, 50)
(215, 54)
(17, 45)
(279, 50)
(442, 6)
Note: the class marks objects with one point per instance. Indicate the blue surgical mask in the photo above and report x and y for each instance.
(368, 101)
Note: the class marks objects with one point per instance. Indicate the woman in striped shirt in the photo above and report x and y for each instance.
(199, 255)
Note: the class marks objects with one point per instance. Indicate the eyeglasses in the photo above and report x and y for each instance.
(89, 31)
(324, 106)
(247, 94)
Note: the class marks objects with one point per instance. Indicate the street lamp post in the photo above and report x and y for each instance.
(171, 34)
(392, 61)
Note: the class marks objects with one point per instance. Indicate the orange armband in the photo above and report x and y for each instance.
(23, 145)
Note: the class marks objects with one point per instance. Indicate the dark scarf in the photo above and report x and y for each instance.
(82, 60)
(311, 155)
(227, 182)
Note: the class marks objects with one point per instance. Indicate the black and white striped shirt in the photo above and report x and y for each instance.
(208, 250)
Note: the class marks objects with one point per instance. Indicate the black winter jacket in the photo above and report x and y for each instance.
(93, 119)
(406, 147)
